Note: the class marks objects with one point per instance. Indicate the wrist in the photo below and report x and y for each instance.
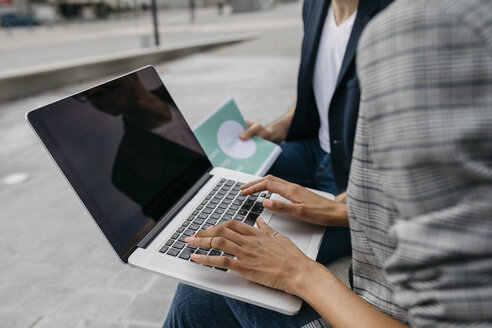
(274, 132)
(305, 278)
(279, 128)
(341, 215)
(341, 198)
(334, 214)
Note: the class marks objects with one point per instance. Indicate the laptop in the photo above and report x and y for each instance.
(134, 162)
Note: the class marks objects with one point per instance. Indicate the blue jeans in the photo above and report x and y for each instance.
(304, 162)
(301, 162)
(195, 308)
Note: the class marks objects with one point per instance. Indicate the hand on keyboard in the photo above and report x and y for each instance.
(306, 205)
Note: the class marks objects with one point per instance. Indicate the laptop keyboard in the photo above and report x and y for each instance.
(223, 203)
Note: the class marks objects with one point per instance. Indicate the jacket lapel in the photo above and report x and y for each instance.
(364, 13)
(317, 20)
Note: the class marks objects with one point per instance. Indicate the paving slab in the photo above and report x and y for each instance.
(98, 324)
(132, 280)
(45, 300)
(161, 285)
(144, 311)
(12, 295)
(100, 305)
(48, 321)
(144, 326)
(17, 319)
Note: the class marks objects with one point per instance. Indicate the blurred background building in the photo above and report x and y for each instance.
(52, 11)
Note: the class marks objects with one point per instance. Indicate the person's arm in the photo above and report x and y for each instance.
(429, 128)
(341, 198)
(335, 302)
(274, 260)
(305, 204)
(275, 131)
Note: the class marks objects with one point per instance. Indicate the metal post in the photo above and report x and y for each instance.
(220, 6)
(192, 6)
(154, 19)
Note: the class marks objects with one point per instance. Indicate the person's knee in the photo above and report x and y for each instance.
(182, 306)
(295, 164)
(213, 309)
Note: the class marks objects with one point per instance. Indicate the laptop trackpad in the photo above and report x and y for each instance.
(298, 231)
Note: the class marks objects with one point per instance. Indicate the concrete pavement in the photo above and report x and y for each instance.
(56, 269)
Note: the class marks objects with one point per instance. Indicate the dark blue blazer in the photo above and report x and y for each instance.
(344, 107)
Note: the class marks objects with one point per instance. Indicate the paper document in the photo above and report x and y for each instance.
(219, 133)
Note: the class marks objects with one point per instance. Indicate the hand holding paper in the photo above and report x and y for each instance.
(219, 134)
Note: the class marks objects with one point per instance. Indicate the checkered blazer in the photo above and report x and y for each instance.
(420, 187)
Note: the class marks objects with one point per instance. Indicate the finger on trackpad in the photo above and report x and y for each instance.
(298, 231)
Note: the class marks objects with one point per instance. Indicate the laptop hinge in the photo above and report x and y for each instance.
(174, 210)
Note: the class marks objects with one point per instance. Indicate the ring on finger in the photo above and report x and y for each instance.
(211, 241)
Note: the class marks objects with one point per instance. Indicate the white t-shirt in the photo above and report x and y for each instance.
(332, 46)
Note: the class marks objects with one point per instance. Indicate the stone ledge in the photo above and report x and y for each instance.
(28, 81)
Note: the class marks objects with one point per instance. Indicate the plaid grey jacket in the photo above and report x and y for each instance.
(420, 189)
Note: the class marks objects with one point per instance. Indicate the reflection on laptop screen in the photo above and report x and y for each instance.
(127, 151)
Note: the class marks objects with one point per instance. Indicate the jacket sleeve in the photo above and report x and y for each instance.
(305, 13)
(430, 131)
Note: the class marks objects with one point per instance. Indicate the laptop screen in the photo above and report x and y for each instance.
(127, 151)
